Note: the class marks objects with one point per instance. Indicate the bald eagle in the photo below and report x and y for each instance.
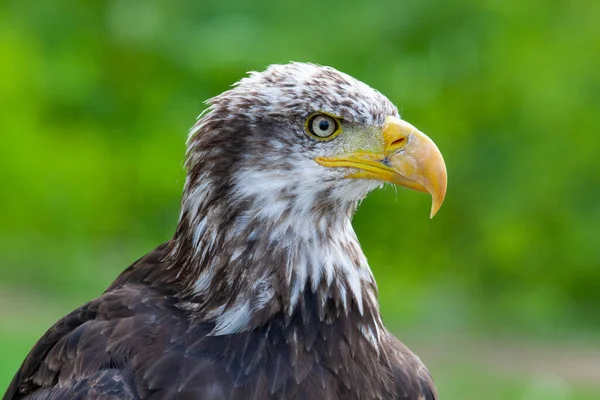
(263, 292)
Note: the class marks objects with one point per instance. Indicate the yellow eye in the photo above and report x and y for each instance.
(322, 126)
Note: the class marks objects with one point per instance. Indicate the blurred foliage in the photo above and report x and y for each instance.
(96, 98)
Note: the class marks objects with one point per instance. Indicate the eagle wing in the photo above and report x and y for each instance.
(93, 352)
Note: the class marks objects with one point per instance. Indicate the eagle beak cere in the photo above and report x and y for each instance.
(409, 158)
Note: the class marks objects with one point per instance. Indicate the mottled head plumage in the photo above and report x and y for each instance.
(259, 123)
(289, 91)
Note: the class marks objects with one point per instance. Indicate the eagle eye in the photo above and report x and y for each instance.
(323, 126)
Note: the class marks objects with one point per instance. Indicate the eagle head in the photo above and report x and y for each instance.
(276, 166)
(312, 134)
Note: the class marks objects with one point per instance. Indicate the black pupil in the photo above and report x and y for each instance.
(323, 125)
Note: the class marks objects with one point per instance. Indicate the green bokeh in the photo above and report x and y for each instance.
(96, 99)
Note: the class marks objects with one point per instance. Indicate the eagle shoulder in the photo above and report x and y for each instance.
(98, 350)
(412, 379)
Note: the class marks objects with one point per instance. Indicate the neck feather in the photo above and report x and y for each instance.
(246, 257)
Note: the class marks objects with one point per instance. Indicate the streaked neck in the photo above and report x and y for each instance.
(253, 259)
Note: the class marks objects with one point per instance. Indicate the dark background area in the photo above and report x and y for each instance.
(499, 294)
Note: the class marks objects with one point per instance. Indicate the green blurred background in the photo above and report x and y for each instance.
(499, 294)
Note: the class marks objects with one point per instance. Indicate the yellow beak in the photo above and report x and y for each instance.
(408, 158)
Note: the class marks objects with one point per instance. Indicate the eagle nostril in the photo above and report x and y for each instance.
(398, 142)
